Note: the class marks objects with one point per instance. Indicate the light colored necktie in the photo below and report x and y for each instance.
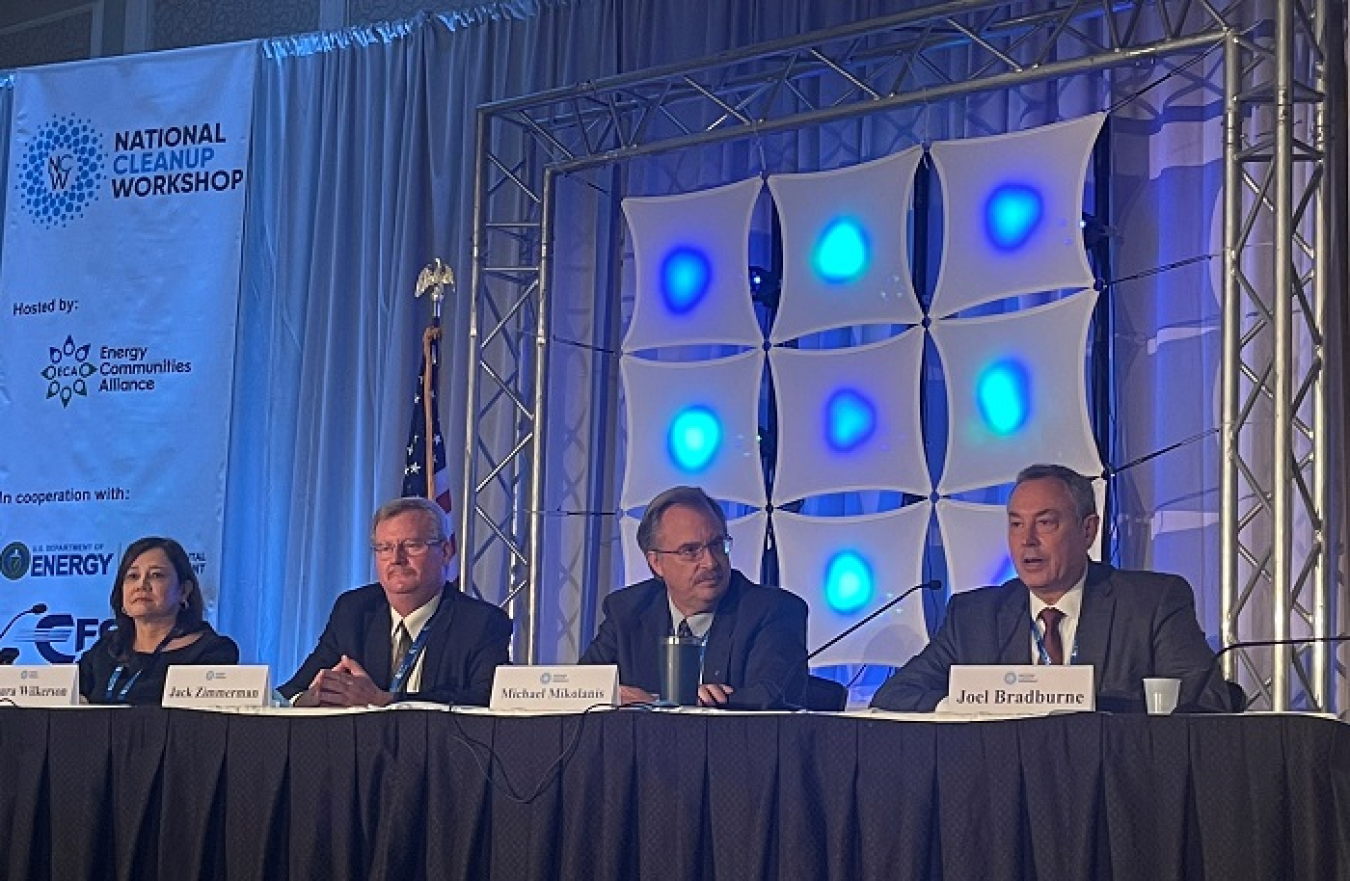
(402, 643)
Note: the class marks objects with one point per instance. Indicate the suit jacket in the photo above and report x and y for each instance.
(1133, 625)
(757, 642)
(466, 643)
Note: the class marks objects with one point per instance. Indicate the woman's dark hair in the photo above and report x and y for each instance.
(189, 613)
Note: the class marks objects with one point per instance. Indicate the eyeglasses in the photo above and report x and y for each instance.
(694, 551)
(413, 547)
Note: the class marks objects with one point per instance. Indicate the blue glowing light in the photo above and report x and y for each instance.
(686, 275)
(848, 582)
(694, 439)
(842, 253)
(1012, 214)
(1004, 571)
(850, 420)
(1004, 394)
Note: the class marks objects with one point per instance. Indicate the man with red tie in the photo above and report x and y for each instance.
(1064, 609)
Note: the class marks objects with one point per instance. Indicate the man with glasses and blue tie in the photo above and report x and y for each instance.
(754, 638)
(410, 636)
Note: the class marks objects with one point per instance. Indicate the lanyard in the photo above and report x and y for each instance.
(414, 650)
(121, 668)
(1044, 659)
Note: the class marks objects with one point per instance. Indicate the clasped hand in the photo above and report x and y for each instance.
(346, 684)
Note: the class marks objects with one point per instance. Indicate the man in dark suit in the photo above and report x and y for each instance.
(754, 638)
(412, 635)
(1064, 609)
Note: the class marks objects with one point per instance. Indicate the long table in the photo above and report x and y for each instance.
(149, 793)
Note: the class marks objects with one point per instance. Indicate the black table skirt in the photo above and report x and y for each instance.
(150, 793)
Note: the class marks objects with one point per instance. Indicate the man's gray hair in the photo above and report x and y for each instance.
(408, 504)
(1079, 487)
(688, 496)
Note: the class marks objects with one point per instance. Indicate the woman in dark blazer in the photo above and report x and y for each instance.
(157, 604)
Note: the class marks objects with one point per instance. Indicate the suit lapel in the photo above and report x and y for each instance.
(377, 647)
(1013, 628)
(717, 647)
(436, 641)
(1094, 625)
(654, 627)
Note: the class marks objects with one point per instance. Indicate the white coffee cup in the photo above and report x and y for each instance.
(1160, 695)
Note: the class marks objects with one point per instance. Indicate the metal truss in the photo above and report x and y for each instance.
(910, 59)
(1279, 490)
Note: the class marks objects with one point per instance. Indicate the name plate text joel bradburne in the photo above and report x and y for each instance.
(40, 686)
(555, 689)
(226, 685)
(1026, 689)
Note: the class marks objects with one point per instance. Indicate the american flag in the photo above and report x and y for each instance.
(424, 472)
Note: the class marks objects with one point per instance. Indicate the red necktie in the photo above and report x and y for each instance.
(1054, 646)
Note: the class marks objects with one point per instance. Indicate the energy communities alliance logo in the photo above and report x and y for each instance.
(60, 173)
(68, 370)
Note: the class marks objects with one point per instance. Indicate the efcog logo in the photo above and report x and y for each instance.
(69, 369)
(14, 560)
(60, 172)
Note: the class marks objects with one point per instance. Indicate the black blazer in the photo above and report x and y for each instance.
(1133, 625)
(467, 642)
(757, 643)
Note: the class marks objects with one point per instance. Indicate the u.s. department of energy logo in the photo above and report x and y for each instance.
(68, 370)
(60, 173)
(14, 560)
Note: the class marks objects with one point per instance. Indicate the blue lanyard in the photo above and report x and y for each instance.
(121, 668)
(410, 659)
(1044, 659)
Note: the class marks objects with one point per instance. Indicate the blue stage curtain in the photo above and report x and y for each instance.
(362, 172)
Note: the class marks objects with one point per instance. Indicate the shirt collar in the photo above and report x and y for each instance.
(1071, 604)
(699, 622)
(417, 618)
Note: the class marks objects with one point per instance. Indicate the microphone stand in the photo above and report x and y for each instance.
(8, 656)
(1270, 643)
(927, 585)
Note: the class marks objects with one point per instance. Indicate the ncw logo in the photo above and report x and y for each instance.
(60, 172)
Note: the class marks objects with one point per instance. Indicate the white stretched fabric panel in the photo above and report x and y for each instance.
(1039, 355)
(864, 212)
(1047, 164)
(849, 419)
(656, 394)
(714, 224)
(975, 538)
(747, 546)
(892, 544)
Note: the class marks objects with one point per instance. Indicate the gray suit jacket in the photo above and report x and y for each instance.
(1133, 625)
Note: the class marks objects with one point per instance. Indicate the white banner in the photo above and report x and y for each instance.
(119, 285)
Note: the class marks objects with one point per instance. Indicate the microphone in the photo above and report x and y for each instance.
(935, 584)
(1270, 643)
(8, 656)
(38, 609)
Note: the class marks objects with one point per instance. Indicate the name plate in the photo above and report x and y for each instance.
(239, 685)
(555, 689)
(54, 686)
(1020, 690)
